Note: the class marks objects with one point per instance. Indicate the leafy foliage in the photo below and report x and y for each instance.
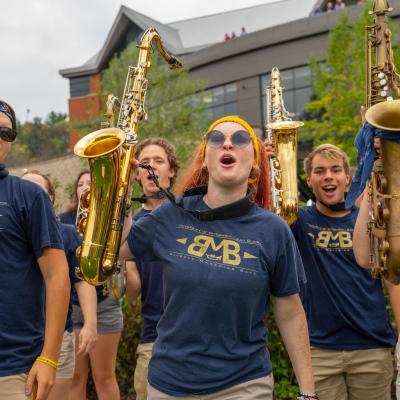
(333, 116)
(175, 105)
(40, 140)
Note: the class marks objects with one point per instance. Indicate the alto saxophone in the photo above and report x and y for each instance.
(109, 152)
(383, 113)
(282, 131)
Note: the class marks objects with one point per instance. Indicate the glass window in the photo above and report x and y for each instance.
(218, 112)
(287, 79)
(79, 86)
(222, 100)
(288, 99)
(231, 109)
(302, 97)
(218, 95)
(302, 77)
(230, 92)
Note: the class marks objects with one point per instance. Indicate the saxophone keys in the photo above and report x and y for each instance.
(381, 183)
(82, 225)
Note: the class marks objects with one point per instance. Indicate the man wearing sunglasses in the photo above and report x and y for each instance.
(31, 259)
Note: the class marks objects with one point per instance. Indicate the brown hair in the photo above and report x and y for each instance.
(328, 151)
(49, 185)
(169, 150)
(74, 198)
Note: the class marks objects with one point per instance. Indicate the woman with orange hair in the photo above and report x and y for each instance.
(223, 255)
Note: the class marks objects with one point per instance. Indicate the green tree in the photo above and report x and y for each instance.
(174, 103)
(40, 140)
(339, 85)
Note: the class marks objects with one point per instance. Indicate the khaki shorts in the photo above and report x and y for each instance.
(141, 371)
(66, 361)
(13, 387)
(352, 375)
(257, 389)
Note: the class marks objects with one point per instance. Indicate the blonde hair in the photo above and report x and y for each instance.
(328, 151)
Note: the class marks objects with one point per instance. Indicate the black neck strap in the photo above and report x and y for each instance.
(228, 211)
(3, 171)
(338, 207)
(143, 199)
(232, 210)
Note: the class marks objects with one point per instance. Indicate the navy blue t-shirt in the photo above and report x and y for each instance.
(69, 218)
(72, 241)
(344, 304)
(27, 226)
(151, 277)
(218, 276)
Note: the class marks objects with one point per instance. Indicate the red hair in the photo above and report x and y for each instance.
(197, 175)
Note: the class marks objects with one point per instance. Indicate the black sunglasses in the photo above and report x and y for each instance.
(239, 139)
(7, 134)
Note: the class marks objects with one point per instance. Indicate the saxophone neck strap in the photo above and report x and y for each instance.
(338, 207)
(228, 211)
(143, 199)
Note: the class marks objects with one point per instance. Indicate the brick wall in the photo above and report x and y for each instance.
(84, 108)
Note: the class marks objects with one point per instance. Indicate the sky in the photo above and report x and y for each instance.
(40, 37)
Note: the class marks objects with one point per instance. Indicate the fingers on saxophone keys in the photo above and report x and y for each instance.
(269, 148)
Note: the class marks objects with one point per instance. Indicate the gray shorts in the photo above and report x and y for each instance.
(109, 316)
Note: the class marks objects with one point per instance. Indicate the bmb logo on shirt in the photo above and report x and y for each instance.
(333, 240)
(227, 251)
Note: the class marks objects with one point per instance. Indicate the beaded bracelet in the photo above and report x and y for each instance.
(47, 361)
(307, 396)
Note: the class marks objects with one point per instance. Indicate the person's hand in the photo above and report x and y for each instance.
(377, 143)
(363, 110)
(41, 379)
(87, 339)
(269, 148)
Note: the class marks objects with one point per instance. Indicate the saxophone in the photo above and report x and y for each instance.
(282, 131)
(109, 152)
(383, 113)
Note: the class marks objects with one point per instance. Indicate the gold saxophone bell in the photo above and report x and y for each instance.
(385, 115)
(102, 148)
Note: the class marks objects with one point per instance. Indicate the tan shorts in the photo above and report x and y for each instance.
(141, 371)
(352, 375)
(257, 389)
(66, 362)
(13, 387)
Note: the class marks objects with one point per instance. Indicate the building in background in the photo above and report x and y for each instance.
(282, 34)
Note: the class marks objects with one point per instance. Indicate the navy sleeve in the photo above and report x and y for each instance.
(42, 226)
(74, 241)
(142, 236)
(288, 273)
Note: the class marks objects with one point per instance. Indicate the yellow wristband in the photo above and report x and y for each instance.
(47, 361)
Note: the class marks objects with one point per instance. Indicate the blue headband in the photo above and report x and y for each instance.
(4, 109)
